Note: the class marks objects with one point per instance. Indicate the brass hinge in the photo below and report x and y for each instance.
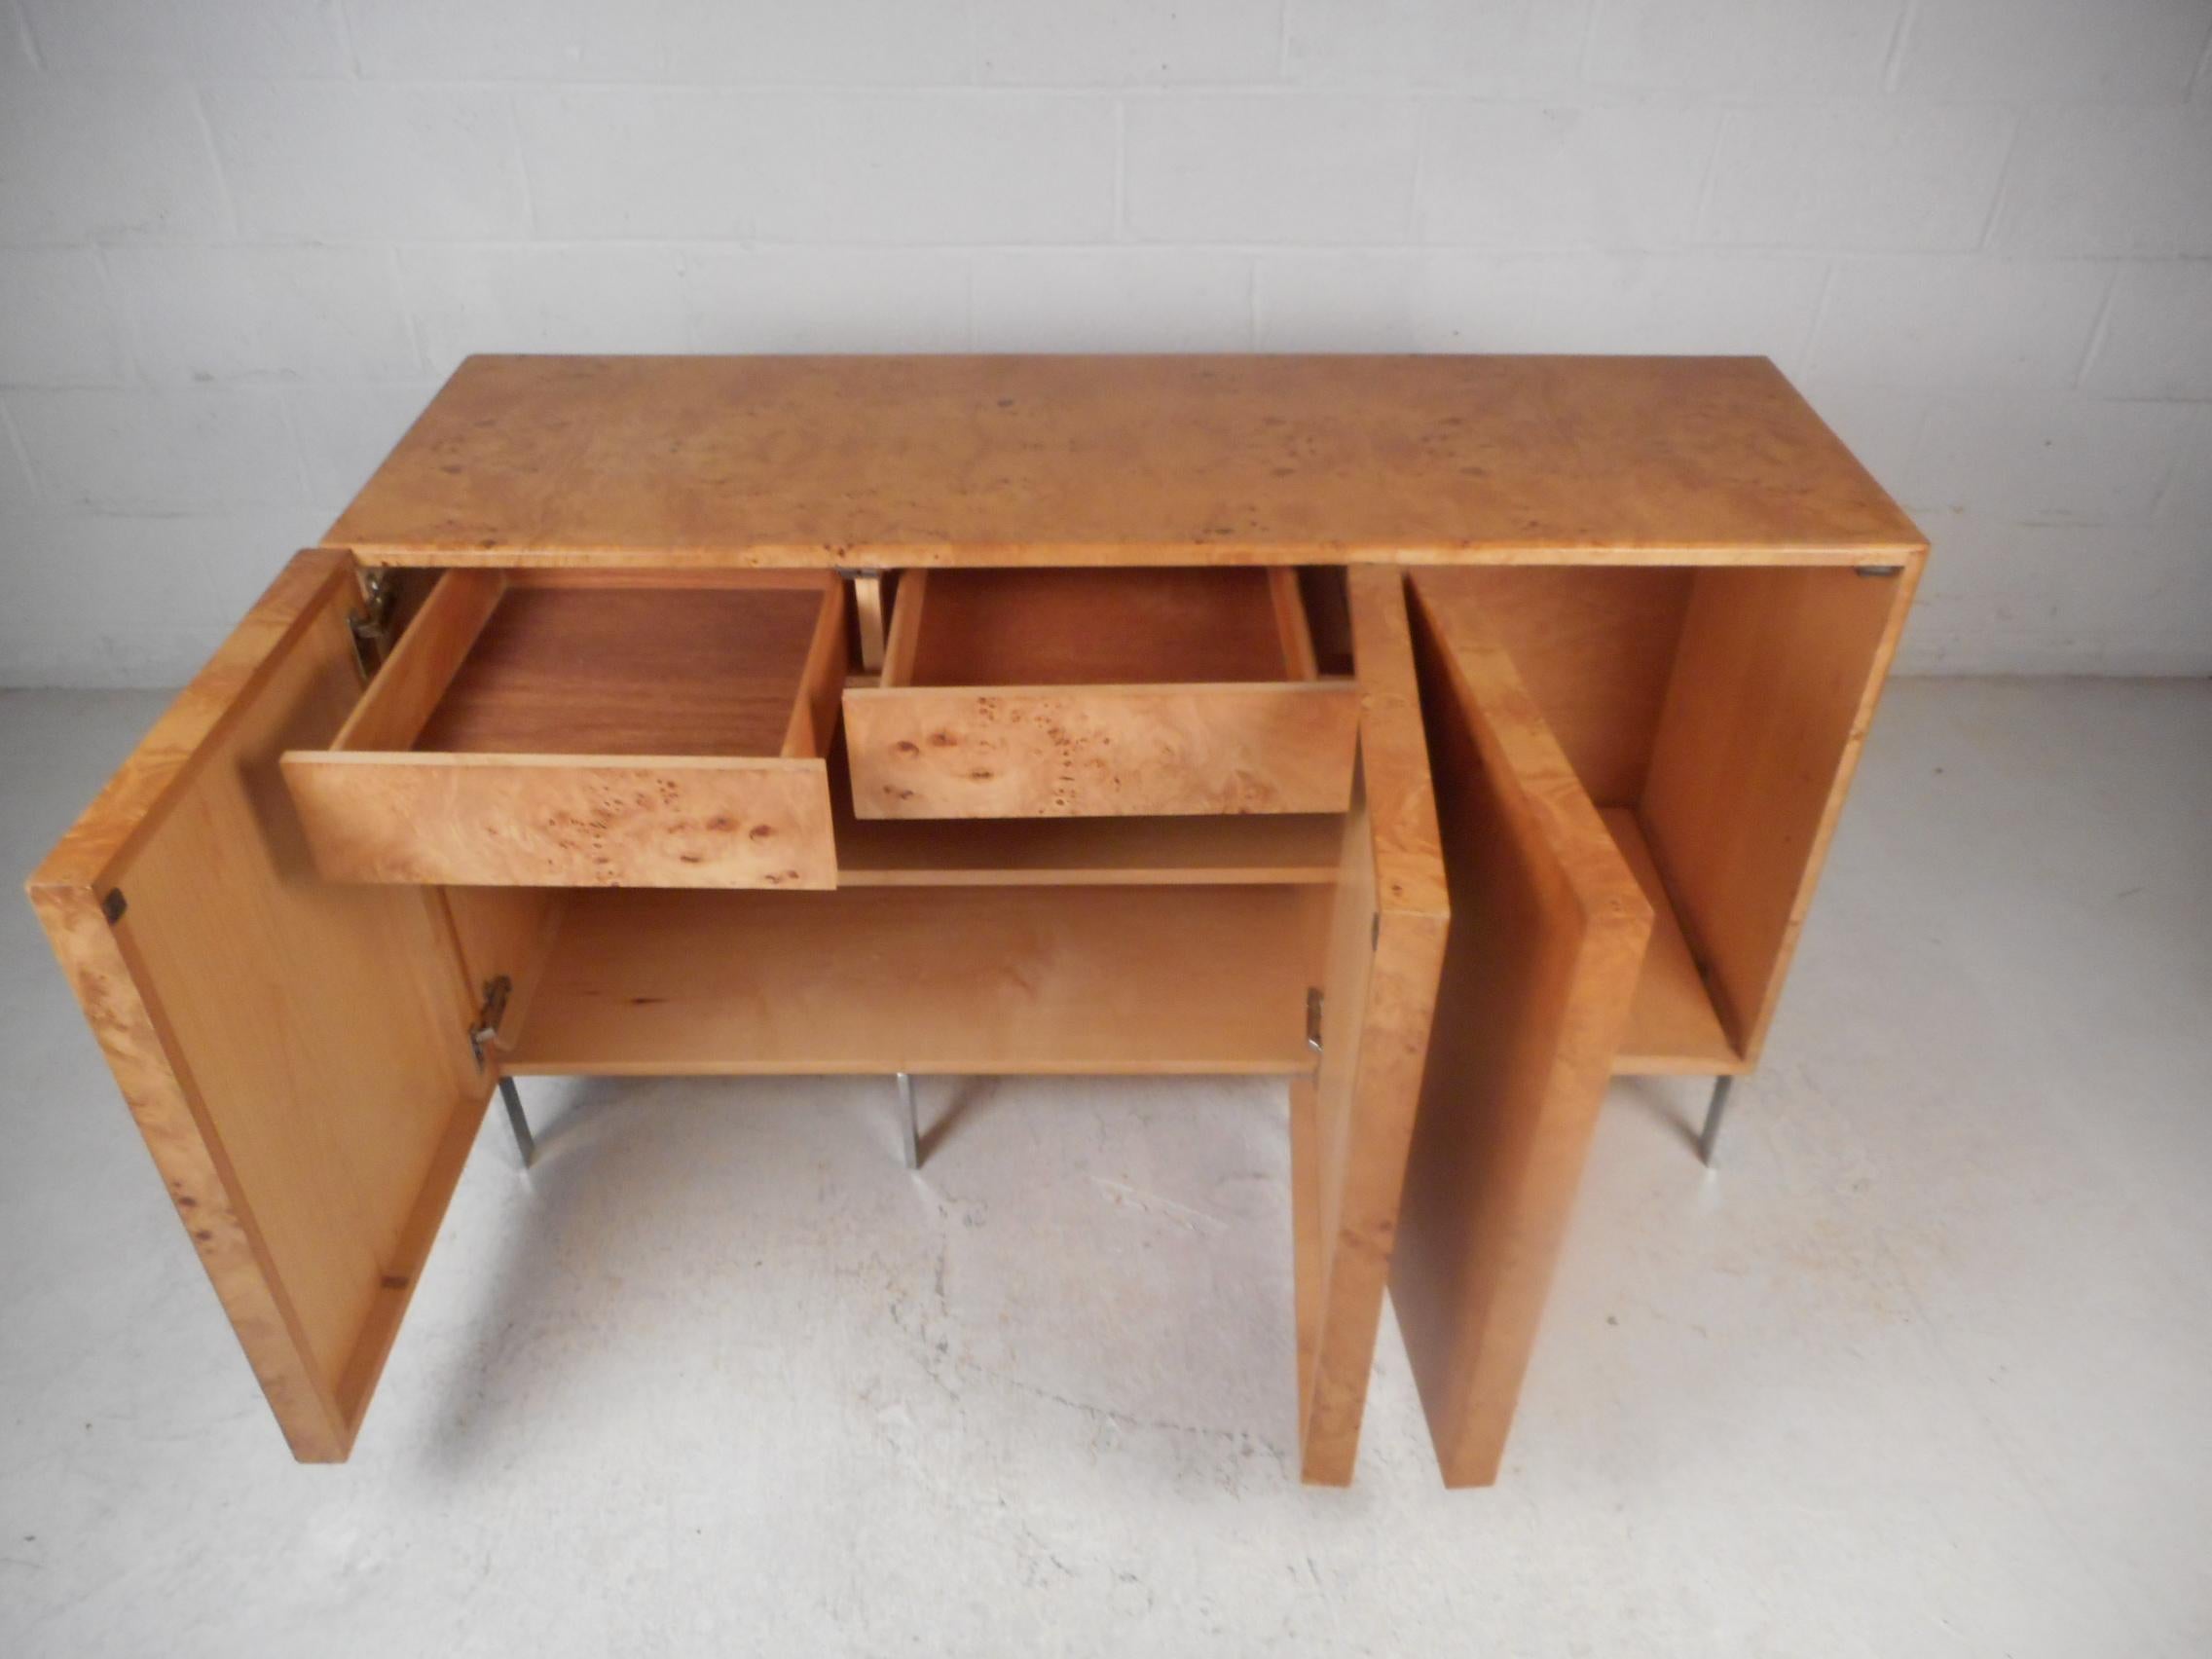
(488, 1017)
(867, 615)
(372, 622)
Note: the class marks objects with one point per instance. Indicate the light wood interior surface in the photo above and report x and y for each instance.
(293, 1051)
(1595, 647)
(1101, 627)
(629, 670)
(988, 979)
(1715, 714)
(1671, 1026)
(899, 461)
(1774, 689)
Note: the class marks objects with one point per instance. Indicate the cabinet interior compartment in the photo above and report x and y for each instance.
(1074, 692)
(1031, 980)
(1712, 714)
(590, 729)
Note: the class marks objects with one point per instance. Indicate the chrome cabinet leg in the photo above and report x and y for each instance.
(1708, 1136)
(511, 1097)
(911, 1142)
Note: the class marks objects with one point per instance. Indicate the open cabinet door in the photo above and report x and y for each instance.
(295, 1053)
(1548, 932)
(1352, 1120)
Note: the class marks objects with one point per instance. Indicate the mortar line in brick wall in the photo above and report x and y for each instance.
(121, 318)
(2177, 454)
(415, 345)
(2004, 183)
(1819, 315)
(22, 453)
(1711, 171)
(2096, 331)
(1121, 170)
(214, 159)
(1892, 60)
(522, 162)
(1676, 253)
(1592, 97)
(1424, 138)
(344, 11)
(1711, 252)
(1588, 44)
(21, 21)
(302, 475)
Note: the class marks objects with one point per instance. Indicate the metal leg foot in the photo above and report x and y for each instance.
(911, 1144)
(1708, 1136)
(511, 1096)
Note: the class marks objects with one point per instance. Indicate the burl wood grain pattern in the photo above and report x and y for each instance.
(1350, 1129)
(902, 461)
(1548, 931)
(566, 821)
(294, 1052)
(543, 730)
(1100, 749)
(1053, 736)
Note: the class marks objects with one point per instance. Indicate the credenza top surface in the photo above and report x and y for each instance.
(943, 460)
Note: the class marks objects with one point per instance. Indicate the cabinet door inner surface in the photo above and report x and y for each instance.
(294, 1050)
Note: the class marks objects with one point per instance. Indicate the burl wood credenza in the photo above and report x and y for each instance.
(1444, 734)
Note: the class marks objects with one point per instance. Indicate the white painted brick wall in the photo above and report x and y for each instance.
(241, 240)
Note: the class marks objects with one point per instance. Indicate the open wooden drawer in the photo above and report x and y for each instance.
(1071, 693)
(591, 729)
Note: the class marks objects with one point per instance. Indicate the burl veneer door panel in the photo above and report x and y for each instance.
(1351, 1123)
(295, 1051)
(1547, 934)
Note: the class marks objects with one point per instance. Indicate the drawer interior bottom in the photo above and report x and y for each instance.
(578, 670)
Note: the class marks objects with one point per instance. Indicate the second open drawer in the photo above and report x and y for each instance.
(1070, 694)
(590, 729)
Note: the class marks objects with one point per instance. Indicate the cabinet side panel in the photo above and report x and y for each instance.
(1774, 689)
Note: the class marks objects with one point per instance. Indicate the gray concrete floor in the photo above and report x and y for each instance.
(1927, 1368)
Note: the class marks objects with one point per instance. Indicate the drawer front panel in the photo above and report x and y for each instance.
(925, 752)
(588, 730)
(523, 820)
